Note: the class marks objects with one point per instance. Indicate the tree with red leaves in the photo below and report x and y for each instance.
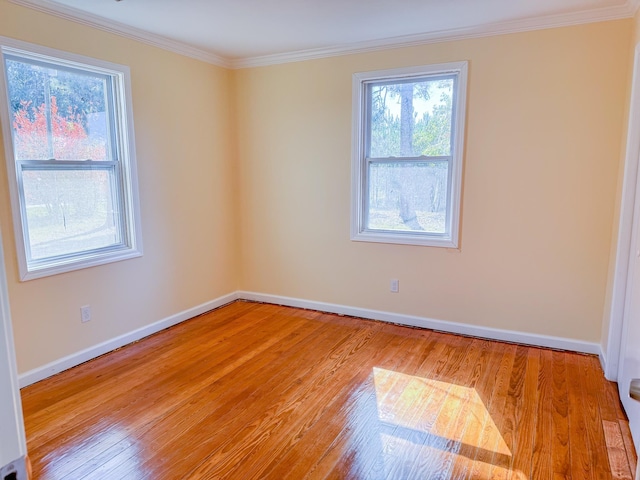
(67, 140)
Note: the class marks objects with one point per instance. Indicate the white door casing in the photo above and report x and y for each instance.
(629, 367)
(623, 352)
(625, 229)
(13, 446)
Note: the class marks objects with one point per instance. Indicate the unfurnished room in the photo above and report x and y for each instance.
(391, 239)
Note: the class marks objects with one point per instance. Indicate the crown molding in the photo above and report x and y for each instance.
(117, 28)
(539, 23)
(628, 9)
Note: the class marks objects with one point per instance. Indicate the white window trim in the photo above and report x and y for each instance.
(129, 187)
(358, 177)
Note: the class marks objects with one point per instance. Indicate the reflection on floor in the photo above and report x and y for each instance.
(255, 391)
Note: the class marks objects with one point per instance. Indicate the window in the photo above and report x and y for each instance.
(68, 134)
(407, 154)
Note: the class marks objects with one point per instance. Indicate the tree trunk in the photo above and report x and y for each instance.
(403, 177)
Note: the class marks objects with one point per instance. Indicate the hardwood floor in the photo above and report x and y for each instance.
(260, 391)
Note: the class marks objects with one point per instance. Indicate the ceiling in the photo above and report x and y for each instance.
(241, 33)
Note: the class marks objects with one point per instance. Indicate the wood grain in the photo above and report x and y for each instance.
(616, 450)
(255, 391)
(560, 453)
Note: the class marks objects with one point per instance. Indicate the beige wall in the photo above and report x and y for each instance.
(183, 135)
(245, 184)
(544, 123)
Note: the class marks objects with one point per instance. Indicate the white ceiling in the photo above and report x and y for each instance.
(245, 32)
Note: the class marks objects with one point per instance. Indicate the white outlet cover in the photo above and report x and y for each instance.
(85, 313)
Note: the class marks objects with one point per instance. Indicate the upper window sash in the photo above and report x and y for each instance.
(100, 84)
(386, 93)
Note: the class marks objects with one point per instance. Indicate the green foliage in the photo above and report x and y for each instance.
(75, 92)
(431, 130)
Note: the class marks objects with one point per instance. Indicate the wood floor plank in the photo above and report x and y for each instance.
(629, 448)
(560, 453)
(218, 409)
(358, 444)
(312, 444)
(581, 455)
(234, 318)
(591, 379)
(480, 417)
(491, 443)
(507, 422)
(463, 407)
(166, 368)
(310, 398)
(257, 391)
(515, 424)
(136, 414)
(139, 416)
(542, 454)
(522, 458)
(616, 450)
(435, 418)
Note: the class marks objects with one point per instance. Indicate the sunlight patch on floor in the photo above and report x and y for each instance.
(438, 409)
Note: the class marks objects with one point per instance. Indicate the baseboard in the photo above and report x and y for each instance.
(603, 362)
(72, 360)
(433, 324)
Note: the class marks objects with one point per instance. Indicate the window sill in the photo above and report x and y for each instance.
(408, 238)
(70, 265)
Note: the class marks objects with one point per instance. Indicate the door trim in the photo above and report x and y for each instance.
(625, 228)
(13, 445)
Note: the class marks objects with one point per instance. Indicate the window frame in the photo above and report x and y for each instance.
(360, 163)
(123, 163)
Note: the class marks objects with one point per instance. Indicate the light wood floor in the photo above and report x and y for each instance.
(260, 391)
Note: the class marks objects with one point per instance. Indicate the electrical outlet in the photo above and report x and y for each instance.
(85, 313)
(394, 285)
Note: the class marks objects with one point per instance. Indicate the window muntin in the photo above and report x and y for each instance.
(408, 129)
(58, 112)
(71, 159)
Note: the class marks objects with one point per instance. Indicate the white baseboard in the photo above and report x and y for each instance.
(433, 324)
(72, 360)
(603, 363)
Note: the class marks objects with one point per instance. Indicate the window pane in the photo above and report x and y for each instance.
(410, 119)
(70, 211)
(408, 196)
(57, 113)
